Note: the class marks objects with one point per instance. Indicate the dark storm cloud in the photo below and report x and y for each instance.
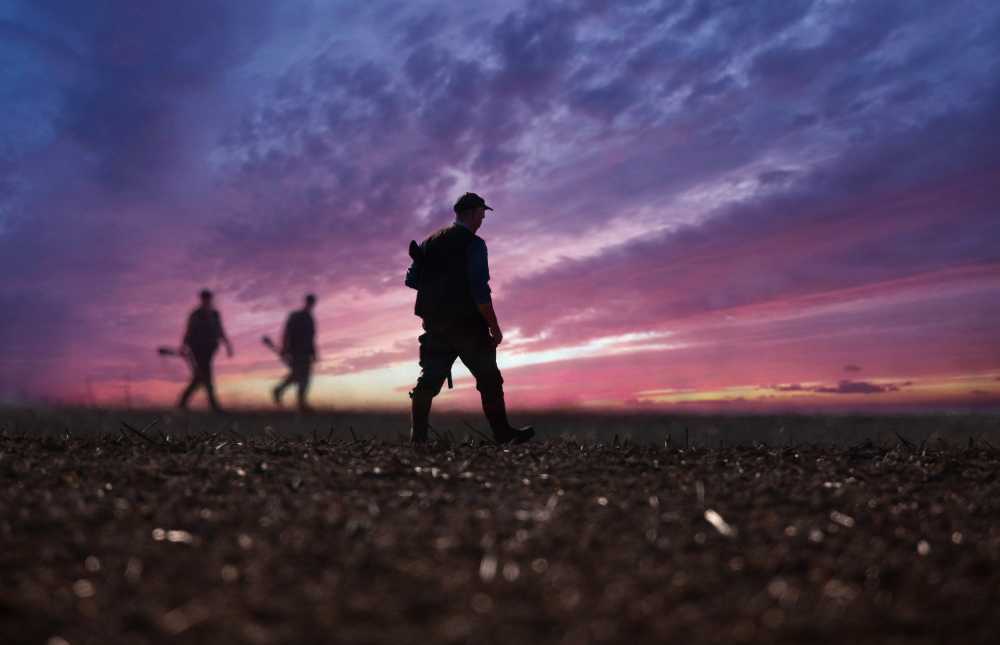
(119, 133)
(450, 110)
(142, 61)
(368, 147)
(53, 48)
(727, 120)
(788, 68)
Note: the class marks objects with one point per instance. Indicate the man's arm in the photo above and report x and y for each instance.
(286, 336)
(186, 338)
(223, 337)
(486, 310)
(479, 279)
(312, 339)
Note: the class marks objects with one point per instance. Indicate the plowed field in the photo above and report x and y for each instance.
(225, 533)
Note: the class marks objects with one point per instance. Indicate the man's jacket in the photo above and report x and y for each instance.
(204, 330)
(440, 274)
(299, 339)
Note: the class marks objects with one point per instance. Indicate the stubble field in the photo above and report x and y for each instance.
(152, 528)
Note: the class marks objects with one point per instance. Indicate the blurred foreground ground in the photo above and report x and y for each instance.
(278, 529)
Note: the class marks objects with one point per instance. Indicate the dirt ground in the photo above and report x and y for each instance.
(227, 532)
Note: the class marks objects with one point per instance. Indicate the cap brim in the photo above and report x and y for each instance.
(487, 207)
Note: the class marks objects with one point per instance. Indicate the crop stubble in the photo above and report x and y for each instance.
(145, 536)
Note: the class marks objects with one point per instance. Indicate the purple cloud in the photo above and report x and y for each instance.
(752, 153)
(842, 387)
(857, 387)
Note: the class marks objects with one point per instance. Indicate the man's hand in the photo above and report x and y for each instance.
(490, 316)
(229, 348)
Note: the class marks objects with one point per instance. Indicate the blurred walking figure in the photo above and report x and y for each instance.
(451, 274)
(298, 350)
(201, 340)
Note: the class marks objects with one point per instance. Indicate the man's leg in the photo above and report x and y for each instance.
(302, 380)
(279, 389)
(480, 356)
(436, 358)
(189, 390)
(203, 363)
(212, 401)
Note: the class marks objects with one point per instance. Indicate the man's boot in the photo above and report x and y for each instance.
(504, 433)
(420, 412)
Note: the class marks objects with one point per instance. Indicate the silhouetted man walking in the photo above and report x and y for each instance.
(450, 272)
(298, 349)
(201, 340)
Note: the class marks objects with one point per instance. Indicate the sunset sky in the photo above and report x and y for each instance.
(699, 205)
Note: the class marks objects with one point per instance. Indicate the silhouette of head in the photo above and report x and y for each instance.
(206, 298)
(471, 209)
(310, 301)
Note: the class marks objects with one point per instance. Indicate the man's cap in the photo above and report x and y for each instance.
(310, 298)
(204, 294)
(468, 201)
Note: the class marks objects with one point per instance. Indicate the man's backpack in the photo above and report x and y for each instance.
(443, 294)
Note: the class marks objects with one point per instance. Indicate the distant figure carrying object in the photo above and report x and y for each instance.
(298, 351)
(201, 340)
(450, 272)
